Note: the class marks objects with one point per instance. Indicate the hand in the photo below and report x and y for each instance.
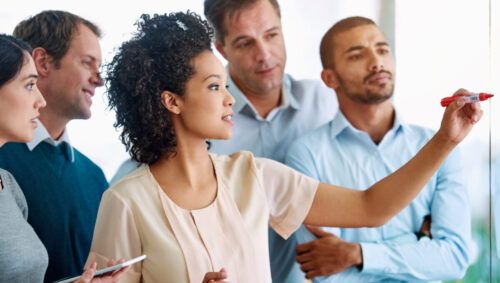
(459, 118)
(88, 275)
(425, 230)
(327, 255)
(215, 277)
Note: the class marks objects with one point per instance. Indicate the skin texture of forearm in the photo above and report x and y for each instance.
(340, 207)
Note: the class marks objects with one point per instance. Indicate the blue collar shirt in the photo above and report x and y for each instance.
(339, 154)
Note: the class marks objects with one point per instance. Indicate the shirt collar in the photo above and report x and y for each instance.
(240, 100)
(42, 135)
(340, 123)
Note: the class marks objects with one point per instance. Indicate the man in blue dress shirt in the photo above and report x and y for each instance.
(366, 141)
(271, 108)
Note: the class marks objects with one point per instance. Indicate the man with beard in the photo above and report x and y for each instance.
(366, 141)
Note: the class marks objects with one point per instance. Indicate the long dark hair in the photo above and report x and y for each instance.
(12, 57)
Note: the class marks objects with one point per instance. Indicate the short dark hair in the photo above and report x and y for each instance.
(216, 12)
(327, 42)
(13, 54)
(158, 58)
(53, 31)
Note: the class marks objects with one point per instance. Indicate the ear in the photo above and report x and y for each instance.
(42, 61)
(171, 101)
(329, 78)
(220, 47)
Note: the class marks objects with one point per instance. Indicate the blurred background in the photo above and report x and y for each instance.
(439, 46)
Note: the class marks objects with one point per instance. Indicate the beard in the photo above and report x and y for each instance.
(368, 97)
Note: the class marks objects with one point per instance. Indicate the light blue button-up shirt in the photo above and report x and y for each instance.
(339, 154)
(305, 105)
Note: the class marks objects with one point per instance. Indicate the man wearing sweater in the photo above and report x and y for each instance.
(63, 187)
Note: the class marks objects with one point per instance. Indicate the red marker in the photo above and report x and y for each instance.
(474, 97)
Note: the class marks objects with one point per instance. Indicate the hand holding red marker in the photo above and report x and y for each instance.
(474, 97)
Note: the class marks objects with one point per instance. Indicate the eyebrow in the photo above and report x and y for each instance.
(238, 38)
(31, 76)
(212, 76)
(358, 47)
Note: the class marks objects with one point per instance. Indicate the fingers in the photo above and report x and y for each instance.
(88, 274)
(317, 231)
(303, 258)
(313, 273)
(307, 266)
(473, 112)
(111, 262)
(215, 277)
(461, 92)
(303, 248)
(117, 273)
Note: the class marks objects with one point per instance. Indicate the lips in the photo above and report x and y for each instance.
(89, 92)
(34, 122)
(379, 78)
(265, 71)
(228, 118)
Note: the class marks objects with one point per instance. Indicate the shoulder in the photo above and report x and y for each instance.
(10, 185)
(8, 180)
(12, 150)
(243, 167)
(83, 161)
(308, 89)
(312, 140)
(134, 185)
(238, 161)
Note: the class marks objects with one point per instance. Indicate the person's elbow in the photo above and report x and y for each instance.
(463, 261)
(459, 263)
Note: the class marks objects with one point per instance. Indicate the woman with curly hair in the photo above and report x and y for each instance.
(201, 217)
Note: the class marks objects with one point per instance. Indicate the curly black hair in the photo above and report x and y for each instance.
(157, 58)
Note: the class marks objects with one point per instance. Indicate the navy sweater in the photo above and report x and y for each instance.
(63, 198)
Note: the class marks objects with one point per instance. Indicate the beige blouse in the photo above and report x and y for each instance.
(136, 217)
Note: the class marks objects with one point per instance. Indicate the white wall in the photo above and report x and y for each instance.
(303, 23)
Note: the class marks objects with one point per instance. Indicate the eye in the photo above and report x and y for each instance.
(243, 44)
(30, 86)
(383, 51)
(272, 35)
(355, 57)
(214, 87)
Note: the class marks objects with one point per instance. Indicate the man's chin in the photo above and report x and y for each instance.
(82, 115)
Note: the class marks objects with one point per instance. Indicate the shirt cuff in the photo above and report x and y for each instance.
(375, 260)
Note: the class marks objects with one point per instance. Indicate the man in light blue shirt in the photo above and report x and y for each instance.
(366, 141)
(271, 108)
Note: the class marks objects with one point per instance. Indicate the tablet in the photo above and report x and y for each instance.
(103, 271)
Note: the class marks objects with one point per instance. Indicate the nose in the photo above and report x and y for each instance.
(376, 63)
(96, 79)
(229, 99)
(40, 101)
(262, 51)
